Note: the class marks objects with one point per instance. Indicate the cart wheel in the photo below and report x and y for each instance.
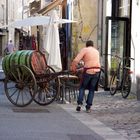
(47, 92)
(20, 85)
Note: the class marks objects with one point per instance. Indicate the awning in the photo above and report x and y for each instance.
(34, 21)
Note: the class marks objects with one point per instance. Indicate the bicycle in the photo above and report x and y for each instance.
(115, 60)
(121, 78)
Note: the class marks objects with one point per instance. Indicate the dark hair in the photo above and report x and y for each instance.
(89, 43)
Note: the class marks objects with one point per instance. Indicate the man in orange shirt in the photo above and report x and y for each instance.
(91, 59)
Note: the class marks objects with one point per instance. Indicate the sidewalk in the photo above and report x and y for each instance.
(120, 115)
(96, 126)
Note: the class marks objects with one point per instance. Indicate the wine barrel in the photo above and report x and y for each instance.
(34, 60)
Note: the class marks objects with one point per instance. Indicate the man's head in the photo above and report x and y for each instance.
(89, 43)
(10, 41)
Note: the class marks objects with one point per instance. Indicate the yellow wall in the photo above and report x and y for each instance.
(85, 12)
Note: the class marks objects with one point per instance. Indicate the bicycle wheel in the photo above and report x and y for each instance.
(126, 84)
(126, 78)
(113, 84)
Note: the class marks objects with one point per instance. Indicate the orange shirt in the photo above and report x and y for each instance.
(91, 58)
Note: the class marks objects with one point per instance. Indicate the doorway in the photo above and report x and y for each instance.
(117, 43)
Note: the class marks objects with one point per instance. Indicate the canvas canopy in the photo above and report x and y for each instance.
(37, 20)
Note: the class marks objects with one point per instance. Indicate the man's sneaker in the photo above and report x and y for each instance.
(88, 110)
(78, 108)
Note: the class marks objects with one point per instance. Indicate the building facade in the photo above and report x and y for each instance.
(119, 34)
(10, 11)
(135, 41)
(3, 21)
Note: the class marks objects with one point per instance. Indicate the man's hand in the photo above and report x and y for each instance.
(73, 68)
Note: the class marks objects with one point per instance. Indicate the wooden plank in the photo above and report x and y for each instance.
(49, 7)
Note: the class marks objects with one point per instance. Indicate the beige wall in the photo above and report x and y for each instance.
(85, 12)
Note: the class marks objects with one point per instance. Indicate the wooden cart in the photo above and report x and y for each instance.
(28, 78)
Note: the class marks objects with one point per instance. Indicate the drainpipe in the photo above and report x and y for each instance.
(2, 13)
(6, 12)
(7, 36)
(102, 27)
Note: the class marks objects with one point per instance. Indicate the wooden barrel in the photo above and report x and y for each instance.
(34, 60)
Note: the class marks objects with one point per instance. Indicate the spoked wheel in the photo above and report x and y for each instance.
(47, 91)
(20, 85)
(126, 85)
(113, 84)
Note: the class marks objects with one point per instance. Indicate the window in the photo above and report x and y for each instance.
(124, 8)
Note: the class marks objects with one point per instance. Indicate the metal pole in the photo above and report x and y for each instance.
(38, 39)
(7, 19)
(3, 14)
(22, 9)
(6, 12)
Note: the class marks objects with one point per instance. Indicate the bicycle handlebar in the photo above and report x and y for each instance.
(121, 58)
(114, 55)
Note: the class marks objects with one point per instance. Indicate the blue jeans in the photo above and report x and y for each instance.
(89, 82)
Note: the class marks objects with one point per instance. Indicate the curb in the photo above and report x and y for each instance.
(92, 123)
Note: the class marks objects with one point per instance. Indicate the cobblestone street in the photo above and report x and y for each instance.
(122, 115)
